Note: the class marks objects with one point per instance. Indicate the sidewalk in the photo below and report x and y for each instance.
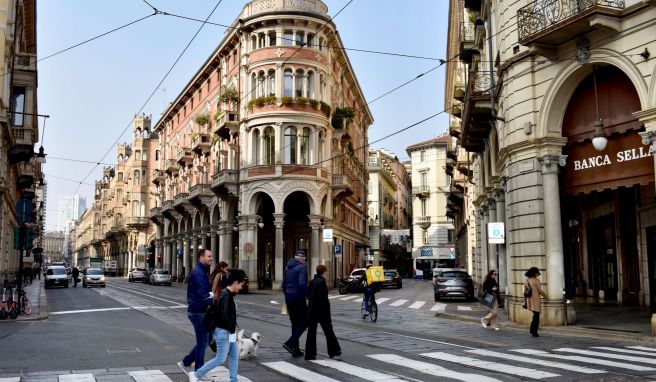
(37, 295)
(592, 320)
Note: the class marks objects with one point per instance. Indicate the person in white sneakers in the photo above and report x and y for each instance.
(490, 285)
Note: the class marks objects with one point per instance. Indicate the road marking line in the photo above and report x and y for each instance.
(417, 304)
(468, 308)
(438, 307)
(489, 365)
(430, 369)
(88, 310)
(381, 300)
(607, 355)
(296, 372)
(595, 361)
(77, 378)
(221, 373)
(275, 302)
(642, 348)
(536, 361)
(334, 296)
(12, 379)
(398, 302)
(360, 372)
(348, 298)
(149, 376)
(619, 350)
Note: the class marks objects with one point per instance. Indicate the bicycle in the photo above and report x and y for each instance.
(373, 309)
(25, 304)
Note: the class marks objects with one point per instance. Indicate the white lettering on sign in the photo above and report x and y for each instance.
(604, 160)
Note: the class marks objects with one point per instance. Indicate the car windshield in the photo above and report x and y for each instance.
(162, 272)
(357, 273)
(94, 272)
(390, 273)
(455, 275)
(139, 270)
(56, 271)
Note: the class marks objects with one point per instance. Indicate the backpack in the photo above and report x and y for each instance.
(211, 315)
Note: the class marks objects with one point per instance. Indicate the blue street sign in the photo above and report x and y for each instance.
(337, 250)
(179, 253)
(24, 211)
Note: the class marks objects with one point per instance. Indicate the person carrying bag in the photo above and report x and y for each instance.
(489, 300)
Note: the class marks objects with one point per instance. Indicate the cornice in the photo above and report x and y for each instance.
(537, 147)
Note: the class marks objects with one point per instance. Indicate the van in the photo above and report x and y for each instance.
(56, 275)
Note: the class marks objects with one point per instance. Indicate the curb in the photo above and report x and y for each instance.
(563, 330)
(43, 303)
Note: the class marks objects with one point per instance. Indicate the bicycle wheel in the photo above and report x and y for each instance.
(362, 311)
(26, 305)
(14, 309)
(373, 314)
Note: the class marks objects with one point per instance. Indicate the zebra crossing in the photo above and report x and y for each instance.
(474, 365)
(402, 303)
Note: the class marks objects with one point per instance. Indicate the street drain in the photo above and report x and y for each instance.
(123, 350)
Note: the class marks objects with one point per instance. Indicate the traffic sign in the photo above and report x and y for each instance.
(248, 248)
(337, 250)
(496, 233)
(327, 235)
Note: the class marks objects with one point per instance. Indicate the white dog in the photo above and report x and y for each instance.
(248, 346)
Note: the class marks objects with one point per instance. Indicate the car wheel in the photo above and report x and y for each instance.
(66, 286)
(103, 285)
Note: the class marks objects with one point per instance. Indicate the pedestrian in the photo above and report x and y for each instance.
(532, 302)
(490, 285)
(295, 287)
(225, 319)
(199, 298)
(217, 278)
(38, 272)
(76, 275)
(319, 313)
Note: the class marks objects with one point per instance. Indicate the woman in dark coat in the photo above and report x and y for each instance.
(490, 285)
(319, 313)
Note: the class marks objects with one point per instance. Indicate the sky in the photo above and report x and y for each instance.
(91, 92)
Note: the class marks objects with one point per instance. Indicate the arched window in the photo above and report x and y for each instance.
(310, 84)
(322, 87)
(289, 83)
(256, 147)
(261, 40)
(144, 155)
(320, 150)
(253, 86)
(137, 155)
(305, 146)
(290, 145)
(271, 76)
(120, 176)
(135, 178)
(142, 211)
(260, 84)
(253, 43)
(269, 138)
(135, 208)
(298, 86)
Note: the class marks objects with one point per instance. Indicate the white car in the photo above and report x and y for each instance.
(56, 275)
(93, 277)
(160, 276)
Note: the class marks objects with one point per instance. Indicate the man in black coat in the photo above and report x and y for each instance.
(319, 313)
(76, 274)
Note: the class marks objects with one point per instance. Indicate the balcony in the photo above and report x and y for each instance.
(167, 205)
(342, 185)
(200, 194)
(170, 166)
(477, 111)
(467, 47)
(225, 182)
(553, 22)
(138, 222)
(201, 143)
(25, 61)
(423, 221)
(184, 156)
(421, 191)
(155, 214)
(473, 5)
(228, 123)
(157, 177)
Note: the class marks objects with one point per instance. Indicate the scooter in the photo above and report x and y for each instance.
(349, 286)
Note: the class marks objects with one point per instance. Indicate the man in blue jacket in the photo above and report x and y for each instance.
(295, 286)
(198, 298)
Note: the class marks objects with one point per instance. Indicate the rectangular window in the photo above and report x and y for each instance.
(424, 180)
(156, 154)
(424, 236)
(288, 38)
(272, 39)
(450, 236)
(18, 105)
(299, 38)
(310, 40)
(424, 207)
(422, 155)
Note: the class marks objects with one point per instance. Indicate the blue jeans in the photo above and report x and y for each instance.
(368, 292)
(223, 349)
(197, 353)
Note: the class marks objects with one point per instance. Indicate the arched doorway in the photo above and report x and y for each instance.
(602, 191)
(266, 236)
(297, 228)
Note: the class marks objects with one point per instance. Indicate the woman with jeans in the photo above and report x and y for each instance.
(225, 333)
(533, 303)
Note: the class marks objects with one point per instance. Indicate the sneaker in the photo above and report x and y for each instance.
(337, 356)
(496, 329)
(184, 368)
(483, 323)
(193, 377)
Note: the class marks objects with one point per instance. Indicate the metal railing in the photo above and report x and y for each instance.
(543, 14)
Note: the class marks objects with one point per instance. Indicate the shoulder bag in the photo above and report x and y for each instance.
(528, 291)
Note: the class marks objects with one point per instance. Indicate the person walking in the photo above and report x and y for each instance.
(76, 274)
(225, 318)
(295, 287)
(319, 313)
(533, 302)
(217, 278)
(199, 297)
(490, 285)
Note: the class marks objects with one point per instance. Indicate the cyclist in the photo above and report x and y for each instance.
(370, 290)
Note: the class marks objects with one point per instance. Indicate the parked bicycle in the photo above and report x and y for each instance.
(14, 302)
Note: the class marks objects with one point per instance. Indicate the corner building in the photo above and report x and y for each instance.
(559, 109)
(265, 148)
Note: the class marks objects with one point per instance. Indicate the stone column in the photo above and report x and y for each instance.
(173, 252)
(315, 255)
(278, 222)
(166, 248)
(492, 248)
(504, 285)
(649, 138)
(485, 260)
(186, 258)
(213, 243)
(476, 260)
(553, 237)
(193, 253)
(130, 260)
(225, 249)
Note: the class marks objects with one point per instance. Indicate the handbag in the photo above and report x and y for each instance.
(528, 291)
(488, 300)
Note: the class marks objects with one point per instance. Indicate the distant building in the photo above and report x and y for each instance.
(70, 209)
(433, 241)
(53, 247)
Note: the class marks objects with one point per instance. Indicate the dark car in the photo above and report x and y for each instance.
(450, 283)
(392, 279)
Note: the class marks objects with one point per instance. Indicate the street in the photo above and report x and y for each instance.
(137, 332)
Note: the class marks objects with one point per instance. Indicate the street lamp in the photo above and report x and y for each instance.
(41, 156)
(599, 141)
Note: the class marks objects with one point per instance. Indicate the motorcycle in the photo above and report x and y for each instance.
(350, 286)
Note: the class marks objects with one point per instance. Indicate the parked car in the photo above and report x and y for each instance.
(94, 277)
(392, 279)
(356, 275)
(453, 283)
(56, 275)
(160, 276)
(137, 274)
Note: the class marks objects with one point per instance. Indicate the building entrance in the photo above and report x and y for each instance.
(602, 257)
(651, 256)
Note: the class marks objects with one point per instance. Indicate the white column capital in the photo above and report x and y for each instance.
(550, 163)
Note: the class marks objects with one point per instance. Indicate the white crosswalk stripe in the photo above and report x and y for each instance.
(398, 302)
(381, 300)
(595, 361)
(360, 372)
(494, 366)
(537, 361)
(438, 307)
(417, 304)
(348, 298)
(651, 354)
(332, 296)
(147, 376)
(643, 348)
(467, 308)
(221, 373)
(607, 355)
(12, 379)
(87, 377)
(430, 369)
(296, 372)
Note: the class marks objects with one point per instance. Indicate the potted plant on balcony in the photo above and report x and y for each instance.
(202, 119)
(342, 117)
(229, 95)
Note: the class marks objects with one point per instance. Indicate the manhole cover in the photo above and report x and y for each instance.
(123, 350)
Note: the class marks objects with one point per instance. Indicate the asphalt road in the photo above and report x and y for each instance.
(130, 330)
